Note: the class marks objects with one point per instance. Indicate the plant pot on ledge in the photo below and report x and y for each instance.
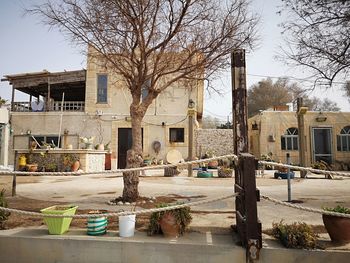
(58, 225)
(337, 227)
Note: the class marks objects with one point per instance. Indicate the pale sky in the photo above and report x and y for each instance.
(26, 45)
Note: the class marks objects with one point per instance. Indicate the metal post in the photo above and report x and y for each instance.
(288, 177)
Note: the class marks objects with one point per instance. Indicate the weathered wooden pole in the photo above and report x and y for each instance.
(14, 179)
(301, 110)
(239, 102)
(191, 115)
(247, 224)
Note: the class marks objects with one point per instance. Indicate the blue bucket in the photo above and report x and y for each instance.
(97, 225)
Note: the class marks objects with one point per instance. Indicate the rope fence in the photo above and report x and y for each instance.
(308, 209)
(152, 167)
(308, 169)
(123, 213)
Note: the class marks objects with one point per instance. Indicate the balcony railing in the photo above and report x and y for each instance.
(55, 106)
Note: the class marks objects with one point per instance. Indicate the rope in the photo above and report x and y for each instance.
(153, 167)
(305, 169)
(124, 213)
(308, 209)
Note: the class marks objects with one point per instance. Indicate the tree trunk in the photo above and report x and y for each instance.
(134, 157)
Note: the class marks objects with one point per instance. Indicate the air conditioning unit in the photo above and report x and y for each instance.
(99, 112)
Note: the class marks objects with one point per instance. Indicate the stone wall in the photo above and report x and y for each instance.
(218, 141)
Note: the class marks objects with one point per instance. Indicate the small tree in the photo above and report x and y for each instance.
(152, 44)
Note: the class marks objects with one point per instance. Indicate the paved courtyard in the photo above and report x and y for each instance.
(94, 191)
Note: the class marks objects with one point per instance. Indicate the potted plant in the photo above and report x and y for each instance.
(71, 162)
(87, 141)
(224, 169)
(50, 167)
(172, 223)
(337, 227)
(211, 164)
(58, 225)
(31, 166)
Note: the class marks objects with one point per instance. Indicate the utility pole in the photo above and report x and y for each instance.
(301, 110)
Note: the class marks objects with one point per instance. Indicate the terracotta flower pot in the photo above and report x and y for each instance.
(338, 228)
(169, 226)
(75, 166)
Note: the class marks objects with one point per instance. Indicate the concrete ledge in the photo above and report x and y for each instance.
(35, 245)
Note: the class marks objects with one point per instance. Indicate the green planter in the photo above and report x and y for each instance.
(58, 225)
(204, 174)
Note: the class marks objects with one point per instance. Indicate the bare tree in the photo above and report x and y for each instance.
(317, 37)
(154, 43)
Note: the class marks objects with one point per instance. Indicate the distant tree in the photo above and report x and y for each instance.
(347, 89)
(210, 122)
(266, 94)
(317, 37)
(151, 44)
(227, 125)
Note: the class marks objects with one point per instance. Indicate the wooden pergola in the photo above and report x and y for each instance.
(49, 85)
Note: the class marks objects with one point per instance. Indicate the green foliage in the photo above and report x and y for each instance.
(3, 215)
(337, 209)
(182, 215)
(267, 158)
(321, 165)
(295, 235)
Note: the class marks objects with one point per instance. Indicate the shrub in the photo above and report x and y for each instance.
(338, 209)
(295, 235)
(3, 215)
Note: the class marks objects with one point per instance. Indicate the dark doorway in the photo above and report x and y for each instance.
(124, 144)
(322, 144)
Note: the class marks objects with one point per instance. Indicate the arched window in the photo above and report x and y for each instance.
(289, 141)
(343, 140)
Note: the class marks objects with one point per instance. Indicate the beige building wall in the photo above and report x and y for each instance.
(271, 125)
(5, 136)
(169, 110)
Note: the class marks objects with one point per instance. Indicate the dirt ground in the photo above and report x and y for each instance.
(33, 205)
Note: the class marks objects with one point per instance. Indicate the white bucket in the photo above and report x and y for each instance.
(127, 225)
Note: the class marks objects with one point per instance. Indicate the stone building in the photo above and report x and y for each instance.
(327, 136)
(96, 103)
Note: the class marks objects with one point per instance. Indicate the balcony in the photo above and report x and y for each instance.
(67, 106)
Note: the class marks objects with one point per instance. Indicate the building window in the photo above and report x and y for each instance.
(42, 139)
(289, 141)
(177, 135)
(343, 140)
(102, 88)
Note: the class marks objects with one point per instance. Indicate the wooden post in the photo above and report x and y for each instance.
(14, 179)
(191, 114)
(301, 135)
(239, 102)
(247, 224)
(12, 98)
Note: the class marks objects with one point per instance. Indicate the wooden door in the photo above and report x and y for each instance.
(124, 144)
